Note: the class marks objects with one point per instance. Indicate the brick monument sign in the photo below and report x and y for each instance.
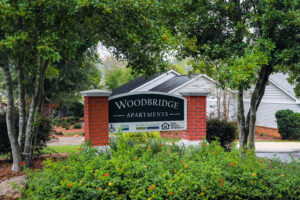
(144, 112)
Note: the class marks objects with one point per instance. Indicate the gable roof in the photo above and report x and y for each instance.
(280, 80)
(172, 83)
(140, 82)
(131, 85)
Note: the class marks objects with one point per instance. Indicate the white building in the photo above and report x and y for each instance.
(278, 95)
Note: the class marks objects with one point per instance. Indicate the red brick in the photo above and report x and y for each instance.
(196, 118)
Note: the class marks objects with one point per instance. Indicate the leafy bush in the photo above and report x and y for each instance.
(77, 126)
(220, 130)
(138, 172)
(65, 122)
(288, 124)
(59, 133)
(4, 140)
(76, 109)
(142, 137)
(42, 137)
(76, 118)
(71, 120)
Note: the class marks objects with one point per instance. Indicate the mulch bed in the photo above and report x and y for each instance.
(265, 133)
(6, 165)
(71, 130)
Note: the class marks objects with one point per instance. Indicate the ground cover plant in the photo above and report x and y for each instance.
(159, 171)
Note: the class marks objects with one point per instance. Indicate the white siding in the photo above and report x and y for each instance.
(273, 100)
(156, 82)
(272, 94)
(211, 107)
(200, 83)
(266, 112)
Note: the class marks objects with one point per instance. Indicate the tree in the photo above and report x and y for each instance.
(81, 75)
(39, 35)
(248, 40)
(116, 73)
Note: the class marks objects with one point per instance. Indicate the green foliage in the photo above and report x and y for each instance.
(65, 122)
(138, 172)
(44, 130)
(240, 38)
(76, 109)
(116, 72)
(142, 137)
(77, 126)
(118, 77)
(70, 120)
(220, 130)
(4, 140)
(288, 124)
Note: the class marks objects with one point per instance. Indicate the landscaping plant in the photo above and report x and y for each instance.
(140, 172)
(288, 124)
(220, 130)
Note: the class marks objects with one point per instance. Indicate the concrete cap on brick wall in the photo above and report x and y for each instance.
(194, 92)
(95, 93)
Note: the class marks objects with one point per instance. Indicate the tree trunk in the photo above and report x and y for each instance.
(10, 121)
(32, 112)
(36, 118)
(22, 106)
(218, 104)
(256, 97)
(243, 133)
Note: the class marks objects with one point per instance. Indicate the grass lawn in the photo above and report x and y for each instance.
(62, 149)
(4, 156)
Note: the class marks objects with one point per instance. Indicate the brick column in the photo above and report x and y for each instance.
(196, 117)
(96, 117)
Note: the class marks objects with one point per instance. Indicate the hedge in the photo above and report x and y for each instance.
(288, 124)
(160, 171)
(220, 130)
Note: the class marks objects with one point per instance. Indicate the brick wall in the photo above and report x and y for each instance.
(96, 117)
(96, 120)
(196, 118)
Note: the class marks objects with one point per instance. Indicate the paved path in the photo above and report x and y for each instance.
(264, 147)
(282, 150)
(62, 141)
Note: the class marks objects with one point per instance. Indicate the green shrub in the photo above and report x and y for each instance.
(71, 120)
(220, 130)
(142, 137)
(4, 140)
(77, 126)
(65, 122)
(59, 133)
(76, 109)
(137, 172)
(288, 124)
